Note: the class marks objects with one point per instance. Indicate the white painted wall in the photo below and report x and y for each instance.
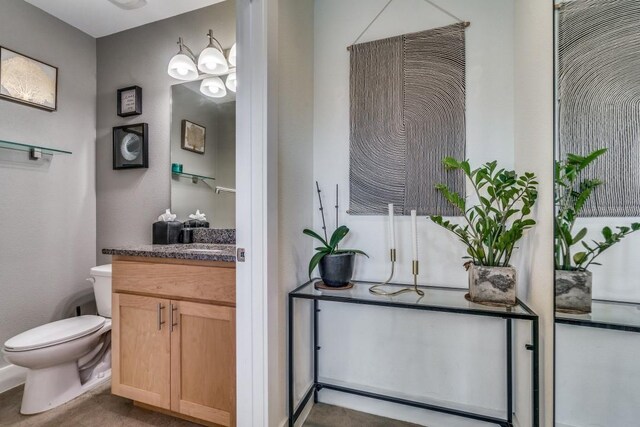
(489, 117)
(48, 212)
(425, 355)
(534, 152)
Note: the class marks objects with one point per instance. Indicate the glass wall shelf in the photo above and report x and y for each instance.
(16, 146)
(193, 176)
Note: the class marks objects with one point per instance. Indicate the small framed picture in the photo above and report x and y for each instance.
(130, 101)
(193, 137)
(130, 146)
(28, 81)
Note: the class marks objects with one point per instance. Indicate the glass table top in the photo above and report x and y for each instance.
(436, 298)
(624, 316)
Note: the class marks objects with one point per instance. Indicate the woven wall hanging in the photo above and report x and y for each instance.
(407, 113)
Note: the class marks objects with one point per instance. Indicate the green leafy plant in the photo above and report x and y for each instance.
(491, 228)
(571, 194)
(329, 246)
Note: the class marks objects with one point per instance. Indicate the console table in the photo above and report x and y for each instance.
(438, 299)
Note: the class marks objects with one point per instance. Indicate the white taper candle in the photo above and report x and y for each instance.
(414, 234)
(392, 232)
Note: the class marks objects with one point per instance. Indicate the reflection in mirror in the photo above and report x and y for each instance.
(597, 212)
(203, 147)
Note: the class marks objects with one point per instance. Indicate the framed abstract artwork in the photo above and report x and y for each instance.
(130, 146)
(28, 81)
(193, 137)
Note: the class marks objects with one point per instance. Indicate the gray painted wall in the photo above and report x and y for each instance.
(48, 210)
(129, 201)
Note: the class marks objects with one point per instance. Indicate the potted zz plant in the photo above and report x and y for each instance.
(573, 281)
(335, 264)
(491, 228)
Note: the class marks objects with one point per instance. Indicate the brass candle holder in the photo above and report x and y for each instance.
(416, 269)
(377, 289)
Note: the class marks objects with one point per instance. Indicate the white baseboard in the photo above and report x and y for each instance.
(11, 376)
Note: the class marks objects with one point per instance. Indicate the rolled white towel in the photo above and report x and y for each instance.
(199, 216)
(167, 216)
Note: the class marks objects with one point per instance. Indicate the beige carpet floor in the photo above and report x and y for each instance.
(99, 408)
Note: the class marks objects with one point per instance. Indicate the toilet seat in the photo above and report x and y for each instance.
(54, 333)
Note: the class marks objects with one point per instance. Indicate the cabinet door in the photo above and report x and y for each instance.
(141, 346)
(203, 360)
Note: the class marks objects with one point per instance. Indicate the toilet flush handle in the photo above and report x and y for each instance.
(91, 279)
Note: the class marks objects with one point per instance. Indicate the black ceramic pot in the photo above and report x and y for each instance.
(337, 270)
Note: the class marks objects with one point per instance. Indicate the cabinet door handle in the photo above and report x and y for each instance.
(160, 321)
(174, 320)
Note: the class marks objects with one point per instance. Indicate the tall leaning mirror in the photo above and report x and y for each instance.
(203, 148)
(597, 172)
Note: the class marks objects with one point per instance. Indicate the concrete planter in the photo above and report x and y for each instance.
(493, 285)
(573, 291)
(337, 270)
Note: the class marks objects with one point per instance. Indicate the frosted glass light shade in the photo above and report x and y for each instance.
(213, 87)
(232, 82)
(232, 55)
(182, 67)
(212, 61)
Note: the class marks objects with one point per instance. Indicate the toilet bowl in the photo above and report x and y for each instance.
(68, 357)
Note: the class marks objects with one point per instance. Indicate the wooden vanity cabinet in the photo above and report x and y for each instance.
(141, 350)
(203, 361)
(174, 351)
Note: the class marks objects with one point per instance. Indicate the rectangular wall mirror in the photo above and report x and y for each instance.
(597, 282)
(203, 149)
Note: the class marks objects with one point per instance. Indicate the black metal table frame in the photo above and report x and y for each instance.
(295, 411)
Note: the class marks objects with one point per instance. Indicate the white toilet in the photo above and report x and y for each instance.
(68, 357)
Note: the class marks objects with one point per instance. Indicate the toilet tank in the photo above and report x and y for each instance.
(101, 277)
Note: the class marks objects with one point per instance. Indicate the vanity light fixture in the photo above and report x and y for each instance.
(211, 60)
(182, 66)
(211, 63)
(232, 82)
(232, 55)
(213, 87)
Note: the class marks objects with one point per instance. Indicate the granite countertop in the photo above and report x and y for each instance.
(194, 251)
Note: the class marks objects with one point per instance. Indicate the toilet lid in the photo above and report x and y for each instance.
(54, 333)
(101, 270)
